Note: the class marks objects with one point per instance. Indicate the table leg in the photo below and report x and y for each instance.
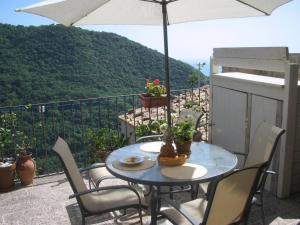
(194, 191)
(154, 206)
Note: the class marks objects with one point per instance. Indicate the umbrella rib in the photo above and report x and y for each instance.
(159, 2)
(253, 7)
(153, 1)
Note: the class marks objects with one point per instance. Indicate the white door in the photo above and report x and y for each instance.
(264, 110)
(267, 110)
(229, 113)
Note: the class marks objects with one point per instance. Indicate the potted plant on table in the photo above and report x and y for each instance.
(183, 133)
(155, 95)
(7, 164)
(26, 166)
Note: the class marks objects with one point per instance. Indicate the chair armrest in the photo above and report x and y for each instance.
(182, 211)
(78, 194)
(94, 166)
(148, 137)
(262, 182)
(271, 172)
(240, 153)
(97, 182)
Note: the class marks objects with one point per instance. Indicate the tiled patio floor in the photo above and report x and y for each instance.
(46, 202)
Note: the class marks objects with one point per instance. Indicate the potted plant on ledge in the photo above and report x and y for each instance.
(25, 164)
(183, 133)
(155, 96)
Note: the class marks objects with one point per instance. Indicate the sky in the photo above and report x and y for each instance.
(194, 41)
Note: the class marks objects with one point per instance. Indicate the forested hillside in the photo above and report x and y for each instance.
(55, 63)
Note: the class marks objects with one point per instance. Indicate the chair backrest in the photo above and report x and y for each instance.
(230, 199)
(263, 144)
(70, 167)
(188, 114)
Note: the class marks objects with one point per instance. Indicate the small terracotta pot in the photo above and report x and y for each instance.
(149, 102)
(103, 155)
(7, 176)
(26, 169)
(184, 148)
(198, 136)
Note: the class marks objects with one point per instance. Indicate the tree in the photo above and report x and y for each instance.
(193, 80)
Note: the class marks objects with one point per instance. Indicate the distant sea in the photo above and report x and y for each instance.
(193, 62)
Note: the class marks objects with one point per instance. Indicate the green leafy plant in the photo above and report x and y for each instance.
(7, 134)
(23, 144)
(190, 104)
(183, 131)
(153, 127)
(154, 88)
(142, 130)
(103, 141)
(12, 141)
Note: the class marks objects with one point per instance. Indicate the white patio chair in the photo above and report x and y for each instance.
(98, 200)
(262, 149)
(228, 203)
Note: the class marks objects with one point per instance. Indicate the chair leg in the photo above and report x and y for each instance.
(140, 215)
(83, 220)
(246, 220)
(262, 207)
(171, 192)
(263, 214)
(247, 215)
(90, 186)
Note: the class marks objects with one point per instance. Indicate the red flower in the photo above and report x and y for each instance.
(156, 82)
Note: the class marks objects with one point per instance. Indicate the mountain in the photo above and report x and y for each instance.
(56, 63)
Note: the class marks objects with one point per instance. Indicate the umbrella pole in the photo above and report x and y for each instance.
(167, 68)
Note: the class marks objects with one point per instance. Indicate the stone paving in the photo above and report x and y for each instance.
(46, 202)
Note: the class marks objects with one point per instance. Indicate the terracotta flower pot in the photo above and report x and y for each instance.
(7, 176)
(26, 169)
(198, 136)
(150, 102)
(103, 155)
(184, 148)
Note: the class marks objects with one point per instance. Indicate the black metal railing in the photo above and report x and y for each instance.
(44, 122)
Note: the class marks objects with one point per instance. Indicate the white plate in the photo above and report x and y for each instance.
(187, 171)
(132, 160)
(153, 146)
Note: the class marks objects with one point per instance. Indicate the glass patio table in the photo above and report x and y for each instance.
(215, 159)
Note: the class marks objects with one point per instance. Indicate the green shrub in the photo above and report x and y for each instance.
(153, 127)
(7, 134)
(101, 142)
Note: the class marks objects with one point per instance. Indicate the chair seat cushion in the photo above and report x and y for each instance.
(110, 199)
(195, 209)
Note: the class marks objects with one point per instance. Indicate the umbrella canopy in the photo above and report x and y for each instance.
(149, 12)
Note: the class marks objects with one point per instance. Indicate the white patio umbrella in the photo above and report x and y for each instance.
(149, 12)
